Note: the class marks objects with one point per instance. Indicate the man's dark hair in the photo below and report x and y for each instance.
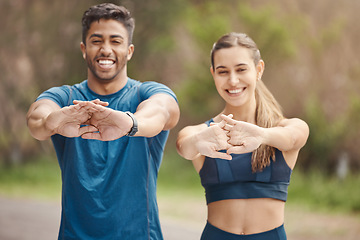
(108, 11)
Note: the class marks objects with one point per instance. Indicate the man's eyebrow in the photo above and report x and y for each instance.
(116, 36)
(96, 35)
(100, 36)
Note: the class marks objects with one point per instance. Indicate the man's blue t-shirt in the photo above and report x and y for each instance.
(109, 187)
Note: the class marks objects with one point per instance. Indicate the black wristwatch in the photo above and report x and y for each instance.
(134, 128)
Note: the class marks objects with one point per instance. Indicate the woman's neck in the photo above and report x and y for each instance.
(244, 113)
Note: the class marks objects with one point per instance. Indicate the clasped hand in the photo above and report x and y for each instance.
(227, 137)
(90, 120)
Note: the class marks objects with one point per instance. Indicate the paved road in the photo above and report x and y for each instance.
(34, 220)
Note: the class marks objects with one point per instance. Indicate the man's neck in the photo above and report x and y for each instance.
(103, 87)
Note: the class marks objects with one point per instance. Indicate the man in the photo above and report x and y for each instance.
(109, 133)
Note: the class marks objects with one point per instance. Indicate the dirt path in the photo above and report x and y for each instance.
(37, 220)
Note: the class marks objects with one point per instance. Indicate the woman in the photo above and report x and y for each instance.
(244, 155)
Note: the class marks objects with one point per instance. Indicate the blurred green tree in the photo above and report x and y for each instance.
(310, 50)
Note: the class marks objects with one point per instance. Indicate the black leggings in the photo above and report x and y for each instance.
(213, 233)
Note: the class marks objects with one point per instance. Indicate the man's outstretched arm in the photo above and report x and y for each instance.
(45, 118)
(37, 116)
(159, 112)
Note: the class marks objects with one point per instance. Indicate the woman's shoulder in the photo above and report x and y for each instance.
(296, 122)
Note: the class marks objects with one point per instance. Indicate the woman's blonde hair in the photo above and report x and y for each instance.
(268, 111)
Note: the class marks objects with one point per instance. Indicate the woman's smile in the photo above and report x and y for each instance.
(235, 91)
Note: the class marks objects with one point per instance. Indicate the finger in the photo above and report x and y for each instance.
(85, 109)
(234, 141)
(228, 145)
(91, 109)
(88, 129)
(228, 127)
(99, 102)
(222, 124)
(87, 103)
(76, 106)
(78, 102)
(216, 124)
(96, 101)
(228, 116)
(237, 150)
(105, 104)
(228, 119)
(222, 155)
(95, 105)
(92, 135)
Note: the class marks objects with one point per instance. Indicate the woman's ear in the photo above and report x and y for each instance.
(212, 70)
(260, 69)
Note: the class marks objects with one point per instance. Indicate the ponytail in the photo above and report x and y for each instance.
(268, 114)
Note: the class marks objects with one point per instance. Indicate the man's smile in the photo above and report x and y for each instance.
(105, 63)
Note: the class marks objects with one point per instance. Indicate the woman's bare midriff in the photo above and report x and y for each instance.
(246, 216)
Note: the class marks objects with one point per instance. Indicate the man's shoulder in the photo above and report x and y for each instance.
(67, 87)
(143, 84)
(150, 85)
(150, 88)
(62, 94)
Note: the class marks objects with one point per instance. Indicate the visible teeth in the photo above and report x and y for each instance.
(235, 91)
(106, 62)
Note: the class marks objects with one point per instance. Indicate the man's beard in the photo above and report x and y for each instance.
(119, 64)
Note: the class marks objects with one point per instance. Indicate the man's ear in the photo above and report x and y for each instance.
(131, 50)
(83, 49)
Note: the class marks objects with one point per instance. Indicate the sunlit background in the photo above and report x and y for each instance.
(311, 52)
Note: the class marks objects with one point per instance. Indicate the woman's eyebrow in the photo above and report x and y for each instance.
(237, 65)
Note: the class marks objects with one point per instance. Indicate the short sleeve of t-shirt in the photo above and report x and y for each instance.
(60, 95)
(150, 88)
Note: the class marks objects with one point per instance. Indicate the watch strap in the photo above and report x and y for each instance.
(134, 128)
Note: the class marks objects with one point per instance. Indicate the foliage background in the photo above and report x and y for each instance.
(310, 49)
